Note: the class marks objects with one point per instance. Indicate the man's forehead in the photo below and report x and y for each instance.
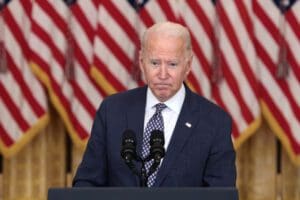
(168, 45)
(166, 57)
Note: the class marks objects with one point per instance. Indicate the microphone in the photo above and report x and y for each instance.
(128, 151)
(157, 141)
(157, 150)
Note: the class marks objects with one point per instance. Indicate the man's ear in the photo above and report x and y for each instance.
(189, 65)
(142, 65)
(141, 61)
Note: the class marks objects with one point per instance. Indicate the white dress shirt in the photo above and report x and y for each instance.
(170, 114)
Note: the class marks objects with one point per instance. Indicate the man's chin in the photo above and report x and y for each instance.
(162, 95)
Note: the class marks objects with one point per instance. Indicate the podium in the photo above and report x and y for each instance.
(113, 193)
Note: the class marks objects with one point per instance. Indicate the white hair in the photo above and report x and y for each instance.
(169, 29)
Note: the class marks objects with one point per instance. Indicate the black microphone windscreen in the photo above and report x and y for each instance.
(128, 136)
(157, 136)
(157, 141)
(128, 151)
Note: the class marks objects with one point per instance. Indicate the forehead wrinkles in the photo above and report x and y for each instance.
(165, 46)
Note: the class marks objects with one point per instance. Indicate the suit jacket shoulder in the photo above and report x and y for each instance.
(127, 97)
(204, 107)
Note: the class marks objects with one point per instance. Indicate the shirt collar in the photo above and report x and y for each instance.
(174, 103)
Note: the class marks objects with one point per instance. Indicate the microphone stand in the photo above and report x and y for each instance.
(143, 177)
(142, 174)
(153, 168)
(131, 166)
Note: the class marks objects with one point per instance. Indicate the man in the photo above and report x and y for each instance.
(198, 144)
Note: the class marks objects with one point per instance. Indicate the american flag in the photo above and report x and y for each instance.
(224, 59)
(116, 46)
(277, 25)
(243, 50)
(234, 72)
(23, 103)
(61, 61)
(88, 95)
(197, 16)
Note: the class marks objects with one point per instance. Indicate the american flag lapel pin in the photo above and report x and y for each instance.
(189, 125)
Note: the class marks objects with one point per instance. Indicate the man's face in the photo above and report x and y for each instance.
(165, 65)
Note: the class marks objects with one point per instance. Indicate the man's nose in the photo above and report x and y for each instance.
(163, 72)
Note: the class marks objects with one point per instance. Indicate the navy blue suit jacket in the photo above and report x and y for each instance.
(200, 155)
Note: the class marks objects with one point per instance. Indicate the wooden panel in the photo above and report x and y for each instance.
(41, 164)
(56, 152)
(38, 166)
(24, 174)
(259, 168)
(290, 179)
(1, 186)
(77, 154)
(242, 165)
(262, 166)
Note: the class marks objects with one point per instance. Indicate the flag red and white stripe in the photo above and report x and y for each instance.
(23, 103)
(116, 46)
(88, 95)
(236, 90)
(280, 95)
(224, 59)
(52, 46)
(198, 16)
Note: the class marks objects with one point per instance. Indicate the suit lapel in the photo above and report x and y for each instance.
(181, 133)
(136, 114)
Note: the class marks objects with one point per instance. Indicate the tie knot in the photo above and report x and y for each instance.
(159, 107)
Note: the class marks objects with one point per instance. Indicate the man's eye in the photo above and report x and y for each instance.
(154, 63)
(173, 64)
